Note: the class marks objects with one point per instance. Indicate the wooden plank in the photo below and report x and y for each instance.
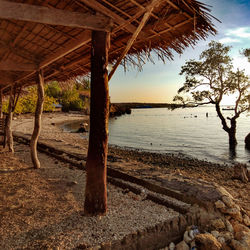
(10, 65)
(52, 16)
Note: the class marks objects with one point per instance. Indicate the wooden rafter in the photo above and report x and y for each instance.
(69, 47)
(116, 18)
(45, 15)
(10, 65)
(5, 79)
(20, 52)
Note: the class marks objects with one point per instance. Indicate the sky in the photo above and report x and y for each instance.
(159, 82)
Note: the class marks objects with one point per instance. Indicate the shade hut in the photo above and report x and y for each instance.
(46, 40)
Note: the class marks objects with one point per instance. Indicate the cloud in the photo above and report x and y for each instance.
(241, 32)
(229, 40)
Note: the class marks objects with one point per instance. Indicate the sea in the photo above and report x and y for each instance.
(192, 132)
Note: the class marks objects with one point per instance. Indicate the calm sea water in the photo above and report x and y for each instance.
(185, 131)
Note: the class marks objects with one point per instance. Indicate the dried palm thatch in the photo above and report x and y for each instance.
(60, 45)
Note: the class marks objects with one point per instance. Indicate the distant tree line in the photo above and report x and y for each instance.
(72, 95)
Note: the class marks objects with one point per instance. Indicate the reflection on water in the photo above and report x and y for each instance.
(188, 131)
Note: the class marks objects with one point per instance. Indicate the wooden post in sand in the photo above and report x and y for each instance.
(1, 103)
(8, 131)
(96, 166)
(37, 122)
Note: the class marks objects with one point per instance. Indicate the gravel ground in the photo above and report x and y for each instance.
(43, 208)
(151, 166)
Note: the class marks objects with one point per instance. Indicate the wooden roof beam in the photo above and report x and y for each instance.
(116, 18)
(10, 65)
(20, 52)
(6, 80)
(45, 15)
(68, 48)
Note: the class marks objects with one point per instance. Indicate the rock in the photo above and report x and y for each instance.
(226, 235)
(182, 246)
(234, 213)
(207, 241)
(239, 228)
(228, 201)
(229, 226)
(247, 141)
(241, 173)
(246, 220)
(226, 247)
(187, 238)
(219, 204)
(221, 240)
(240, 245)
(215, 233)
(218, 224)
(171, 246)
(242, 235)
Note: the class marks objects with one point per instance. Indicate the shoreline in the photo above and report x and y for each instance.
(150, 166)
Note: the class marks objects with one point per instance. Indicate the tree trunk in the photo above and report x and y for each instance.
(232, 135)
(8, 131)
(1, 103)
(37, 123)
(96, 166)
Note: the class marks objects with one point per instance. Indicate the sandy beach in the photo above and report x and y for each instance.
(44, 208)
(151, 166)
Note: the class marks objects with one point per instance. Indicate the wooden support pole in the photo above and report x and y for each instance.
(37, 123)
(1, 103)
(96, 165)
(8, 131)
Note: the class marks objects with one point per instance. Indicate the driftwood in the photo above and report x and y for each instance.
(37, 123)
(8, 131)
(241, 173)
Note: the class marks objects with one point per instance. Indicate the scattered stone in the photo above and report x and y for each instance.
(239, 228)
(215, 233)
(241, 173)
(246, 220)
(240, 245)
(207, 241)
(219, 204)
(228, 201)
(234, 213)
(187, 238)
(221, 240)
(171, 246)
(242, 235)
(218, 224)
(229, 226)
(182, 246)
(226, 235)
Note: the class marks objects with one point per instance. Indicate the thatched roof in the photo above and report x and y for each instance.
(60, 43)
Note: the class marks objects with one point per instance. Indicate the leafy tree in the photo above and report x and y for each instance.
(246, 52)
(71, 101)
(27, 102)
(211, 78)
(53, 89)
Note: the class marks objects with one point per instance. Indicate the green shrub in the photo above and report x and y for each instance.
(27, 103)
